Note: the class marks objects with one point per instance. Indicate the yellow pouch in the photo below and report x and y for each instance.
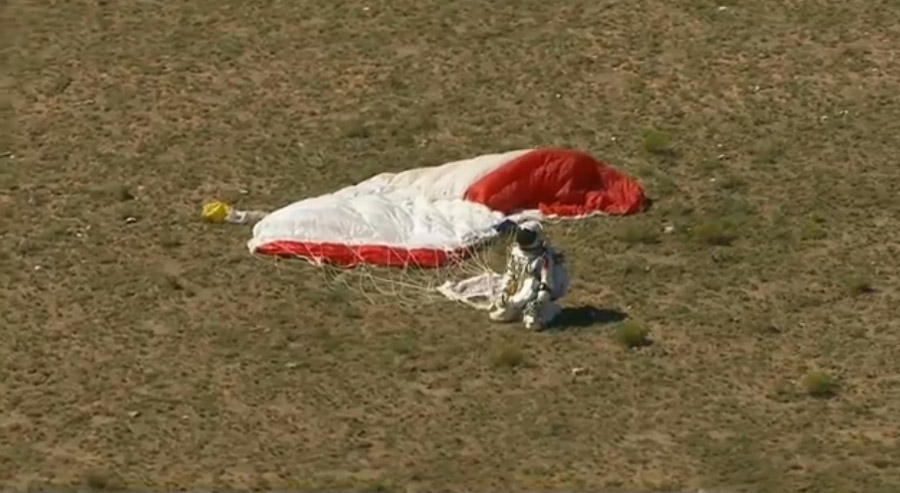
(215, 212)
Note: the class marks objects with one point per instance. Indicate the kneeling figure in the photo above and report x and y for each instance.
(535, 279)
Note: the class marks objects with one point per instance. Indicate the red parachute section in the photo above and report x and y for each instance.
(352, 255)
(558, 182)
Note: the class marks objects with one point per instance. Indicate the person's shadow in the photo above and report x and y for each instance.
(581, 317)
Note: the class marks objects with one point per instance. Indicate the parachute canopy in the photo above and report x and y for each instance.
(430, 216)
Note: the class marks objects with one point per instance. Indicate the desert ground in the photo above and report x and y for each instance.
(740, 335)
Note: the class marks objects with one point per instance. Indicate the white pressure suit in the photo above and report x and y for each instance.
(535, 278)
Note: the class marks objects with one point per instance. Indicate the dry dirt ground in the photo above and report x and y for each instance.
(156, 352)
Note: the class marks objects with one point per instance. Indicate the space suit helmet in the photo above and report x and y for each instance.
(529, 235)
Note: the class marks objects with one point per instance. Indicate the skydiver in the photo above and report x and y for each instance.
(535, 278)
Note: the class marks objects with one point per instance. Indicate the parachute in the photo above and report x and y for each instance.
(431, 217)
(424, 233)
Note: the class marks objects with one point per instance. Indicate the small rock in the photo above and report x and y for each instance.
(290, 365)
(133, 414)
(130, 220)
(770, 329)
(669, 229)
(578, 371)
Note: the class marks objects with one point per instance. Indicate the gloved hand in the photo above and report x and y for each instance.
(500, 301)
(499, 310)
(543, 296)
